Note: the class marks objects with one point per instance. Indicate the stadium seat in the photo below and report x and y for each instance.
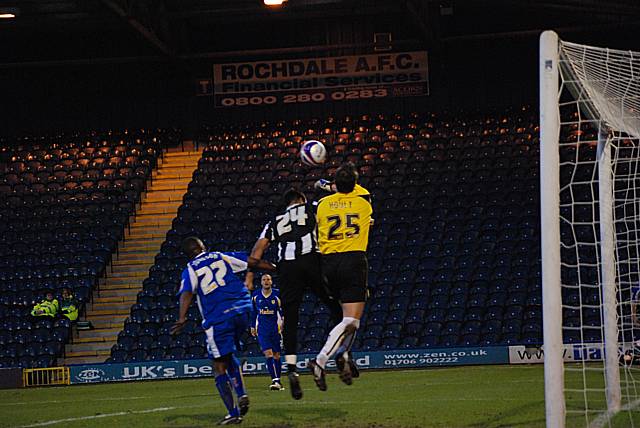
(453, 251)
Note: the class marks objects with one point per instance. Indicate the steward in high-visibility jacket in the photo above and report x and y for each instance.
(49, 307)
(69, 305)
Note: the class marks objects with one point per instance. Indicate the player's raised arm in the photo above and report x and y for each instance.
(185, 301)
(258, 250)
(186, 291)
(261, 264)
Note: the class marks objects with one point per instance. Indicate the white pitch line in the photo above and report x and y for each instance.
(106, 415)
(432, 384)
(20, 403)
(165, 409)
(604, 417)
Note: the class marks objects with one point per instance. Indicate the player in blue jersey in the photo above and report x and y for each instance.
(225, 305)
(267, 325)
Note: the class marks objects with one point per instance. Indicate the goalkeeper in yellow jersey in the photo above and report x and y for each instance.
(344, 220)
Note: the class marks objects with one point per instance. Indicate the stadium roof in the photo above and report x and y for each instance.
(49, 32)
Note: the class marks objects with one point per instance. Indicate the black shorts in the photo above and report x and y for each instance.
(346, 275)
(296, 276)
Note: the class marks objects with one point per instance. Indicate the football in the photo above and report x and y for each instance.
(313, 153)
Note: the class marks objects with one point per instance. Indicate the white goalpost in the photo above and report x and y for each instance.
(590, 220)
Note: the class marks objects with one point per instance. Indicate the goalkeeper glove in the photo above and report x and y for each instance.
(323, 184)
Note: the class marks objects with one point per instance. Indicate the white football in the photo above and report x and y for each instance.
(313, 153)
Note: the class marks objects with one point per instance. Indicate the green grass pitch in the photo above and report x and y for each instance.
(478, 396)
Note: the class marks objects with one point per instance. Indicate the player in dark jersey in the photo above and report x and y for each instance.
(225, 306)
(266, 326)
(294, 230)
(344, 220)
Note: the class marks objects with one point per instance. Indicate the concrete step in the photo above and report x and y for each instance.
(165, 185)
(118, 293)
(108, 306)
(180, 174)
(133, 256)
(126, 258)
(146, 234)
(136, 244)
(88, 347)
(164, 225)
(130, 275)
(180, 166)
(132, 265)
(121, 283)
(165, 179)
(155, 203)
(111, 339)
(97, 335)
(82, 360)
(108, 321)
(181, 154)
(108, 312)
(175, 162)
(104, 353)
(138, 252)
(161, 223)
(128, 299)
(158, 209)
(131, 246)
(152, 218)
(164, 195)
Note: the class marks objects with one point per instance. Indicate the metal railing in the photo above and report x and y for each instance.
(45, 377)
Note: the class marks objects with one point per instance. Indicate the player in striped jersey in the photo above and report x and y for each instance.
(294, 230)
(266, 326)
(225, 306)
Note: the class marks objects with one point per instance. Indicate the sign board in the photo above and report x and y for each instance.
(520, 354)
(314, 80)
(95, 373)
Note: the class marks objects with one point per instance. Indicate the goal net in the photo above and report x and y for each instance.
(590, 209)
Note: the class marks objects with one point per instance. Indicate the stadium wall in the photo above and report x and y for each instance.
(420, 358)
(377, 360)
(463, 76)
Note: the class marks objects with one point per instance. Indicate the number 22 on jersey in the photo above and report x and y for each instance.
(212, 276)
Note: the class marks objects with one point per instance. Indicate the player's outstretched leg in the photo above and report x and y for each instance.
(224, 388)
(345, 364)
(294, 384)
(278, 362)
(344, 329)
(318, 375)
(289, 336)
(237, 381)
(273, 370)
(273, 364)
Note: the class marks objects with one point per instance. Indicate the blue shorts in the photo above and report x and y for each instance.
(222, 337)
(271, 340)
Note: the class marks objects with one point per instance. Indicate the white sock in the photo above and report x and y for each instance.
(335, 339)
(347, 343)
(290, 359)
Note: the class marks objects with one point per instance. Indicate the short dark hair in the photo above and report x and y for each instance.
(293, 195)
(346, 178)
(192, 246)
